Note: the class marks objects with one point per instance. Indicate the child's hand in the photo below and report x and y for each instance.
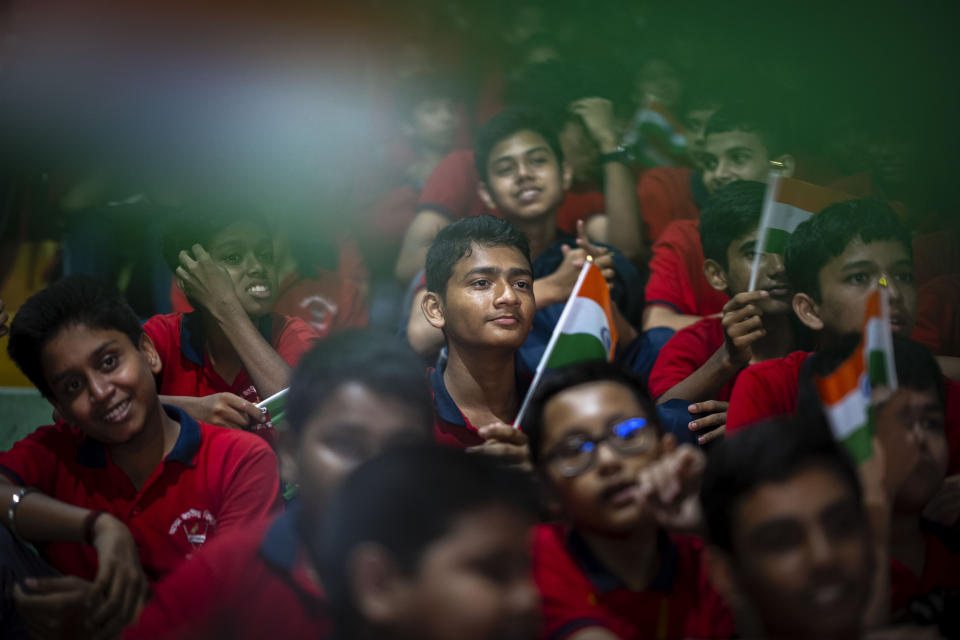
(3, 321)
(49, 606)
(602, 257)
(206, 282)
(597, 115)
(227, 410)
(669, 488)
(742, 326)
(120, 586)
(713, 424)
(504, 442)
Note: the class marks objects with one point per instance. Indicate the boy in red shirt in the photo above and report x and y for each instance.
(700, 363)
(429, 543)
(740, 143)
(617, 568)
(350, 397)
(140, 484)
(232, 351)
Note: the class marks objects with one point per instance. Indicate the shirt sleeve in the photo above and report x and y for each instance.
(654, 197)
(669, 284)
(762, 391)
(294, 340)
(250, 487)
(683, 354)
(36, 460)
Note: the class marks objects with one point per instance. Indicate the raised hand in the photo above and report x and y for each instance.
(713, 424)
(742, 321)
(227, 410)
(504, 442)
(669, 488)
(206, 282)
(597, 115)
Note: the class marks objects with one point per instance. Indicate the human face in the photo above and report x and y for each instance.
(246, 252)
(489, 299)
(433, 124)
(601, 499)
(772, 276)
(352, 426)
(524, 180)
(803, 556)
(580, 151)
(923, 417)
(475, 582)
(731, 156)
(847, 280)
(101, 382)
(695, 122)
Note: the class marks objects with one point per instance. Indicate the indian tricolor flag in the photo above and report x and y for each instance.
(787, 203)
(846, 392)
(585, 330)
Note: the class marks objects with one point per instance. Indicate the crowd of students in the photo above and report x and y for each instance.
(689, 488)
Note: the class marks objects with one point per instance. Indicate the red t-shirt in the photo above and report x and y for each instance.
(941, 569)
(764, 390)
(676, 273)
(938, 316)
(328, 302)
(251, 584)
(179, 341)
(686, 352)
(577, 592)
(665, 196)
(214, 481)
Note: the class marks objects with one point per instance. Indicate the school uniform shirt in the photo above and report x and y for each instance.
(938, 310)
(686, 352)
(179, 340)
(328, 302)
(941, 568)
(676, 279)
(578, 592)
(254, 583)
(214, 480)
(667, 194)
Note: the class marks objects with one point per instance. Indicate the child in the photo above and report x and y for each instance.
(614, 570)
(700, 363)
(429, 543)
(231, 352)
(351, 396)
(142, 485)
(739, 145)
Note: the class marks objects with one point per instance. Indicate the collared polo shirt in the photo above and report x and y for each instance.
(578, 592)
(213, 481)
(253, 583)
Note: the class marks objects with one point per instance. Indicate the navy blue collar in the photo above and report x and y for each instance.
(446, 408)
(91, 453)
(604, 581)
(281, 542)
(192, 338)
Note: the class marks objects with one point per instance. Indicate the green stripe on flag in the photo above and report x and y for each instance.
(877, 367)
(576, 347)
(859, 444)
(776, 240)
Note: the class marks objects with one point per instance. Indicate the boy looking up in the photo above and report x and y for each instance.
(700, 363)
(615, 568)
(430, 543)
(351, 397)
(739, 145)
(123, 489)
(231, 351)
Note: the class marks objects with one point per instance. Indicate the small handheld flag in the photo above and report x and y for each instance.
(275, 405)
(585, 330)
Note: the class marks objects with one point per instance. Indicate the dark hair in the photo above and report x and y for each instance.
(751, 119)
(828, 234)
(916, 369)
(199, 221)
(729, 214)
(454, 243)
(507, 123)
(74, 300)
(417, 89)
(574, 375)
(380, 362)
(771, 451)
(405, 500)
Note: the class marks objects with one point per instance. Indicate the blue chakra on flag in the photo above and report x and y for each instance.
(865, 388)
(606, 338)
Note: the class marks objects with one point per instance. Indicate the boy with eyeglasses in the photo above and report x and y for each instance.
(618, 567)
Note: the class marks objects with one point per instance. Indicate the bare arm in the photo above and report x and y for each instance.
(656, 315)
(420, 233)
(221, 409)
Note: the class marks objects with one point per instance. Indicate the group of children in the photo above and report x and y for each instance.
(691, 488)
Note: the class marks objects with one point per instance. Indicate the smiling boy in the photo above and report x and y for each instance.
(231, 352)
(123, 489)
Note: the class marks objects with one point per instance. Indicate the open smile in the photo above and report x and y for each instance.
(260, 290)
(119, 411)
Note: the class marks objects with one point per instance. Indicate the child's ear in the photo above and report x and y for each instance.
(150, 351)
(376, 584)
(432, 307)
(716, 275)
(808, 311)
(484, 194)
(789, 165)
(566, 173)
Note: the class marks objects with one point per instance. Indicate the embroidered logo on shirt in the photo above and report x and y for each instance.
(196, 526)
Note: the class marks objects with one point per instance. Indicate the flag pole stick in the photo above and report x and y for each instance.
(769, 197)
(542, 365)
(279, 394)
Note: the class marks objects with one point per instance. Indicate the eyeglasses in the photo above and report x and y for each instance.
(578, 451)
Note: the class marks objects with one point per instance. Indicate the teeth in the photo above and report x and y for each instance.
(257, 288)
(117, 411)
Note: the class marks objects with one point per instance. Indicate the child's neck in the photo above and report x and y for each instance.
(483, 384)
(633, 558)
(541, 232)
(139, 457)
(907, 544)
(780, 340)
(223, 356)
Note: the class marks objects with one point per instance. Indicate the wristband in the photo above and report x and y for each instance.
(88, 523)
(622, 154)
(15, 501)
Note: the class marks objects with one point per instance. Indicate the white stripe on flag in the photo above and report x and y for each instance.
(586, 316)
(788, 217)
(848, 415)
